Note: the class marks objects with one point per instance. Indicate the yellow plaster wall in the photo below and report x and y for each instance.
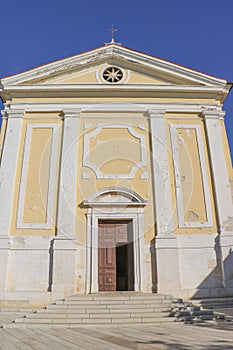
(87, 97)
(137, 78)
(114, 151)
(193, 199)
(86, 77)
(89, 186)
(191, 175)
(38, 174)
(37, 182)
(126, 146)
(91, 74)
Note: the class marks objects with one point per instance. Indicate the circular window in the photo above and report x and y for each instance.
(112, 74)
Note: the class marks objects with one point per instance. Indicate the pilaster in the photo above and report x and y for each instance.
(8, 169)
(9, 162)
(68, 176)
(160, 170)
(222, 192)
(168, 276)
(142, 268)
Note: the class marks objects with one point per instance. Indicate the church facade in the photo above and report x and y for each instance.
(115, 176)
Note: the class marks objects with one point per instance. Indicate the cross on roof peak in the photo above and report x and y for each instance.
(112, 30)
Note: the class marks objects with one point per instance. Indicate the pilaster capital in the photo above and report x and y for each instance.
(71, 113)
(213, 114)
(13, 113)
(156, 113)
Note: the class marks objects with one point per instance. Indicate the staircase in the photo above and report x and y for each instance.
(103, 309)
(199, 311)
(215, 303)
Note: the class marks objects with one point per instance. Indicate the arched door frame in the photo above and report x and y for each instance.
(104, 205)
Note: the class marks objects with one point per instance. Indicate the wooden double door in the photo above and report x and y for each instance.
(115, 255)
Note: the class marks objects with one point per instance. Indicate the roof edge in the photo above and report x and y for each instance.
(108, 48)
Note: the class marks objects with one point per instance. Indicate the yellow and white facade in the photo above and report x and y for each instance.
(114, 134)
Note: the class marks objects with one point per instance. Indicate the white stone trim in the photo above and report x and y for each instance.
(133, 197)
(96, 170)
(68, 176)
(101, 80)
(114, 107)
(92, 251)
(114, 212)
(115, 88)
(191, 107)
(8, 171)
(160, 173)
(113, 51)
(204, 176)
(52, 177)
(223, 196)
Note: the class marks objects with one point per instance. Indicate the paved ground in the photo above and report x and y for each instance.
(171, 336)
(168, 336)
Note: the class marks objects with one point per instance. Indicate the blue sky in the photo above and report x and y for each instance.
(194, 33)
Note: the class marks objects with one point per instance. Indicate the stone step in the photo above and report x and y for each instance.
(117, 323)
(92, 315)
(16, 309)
(101, 310)
(215, 303)
(113, 302)
(106, 306)
(121, 297)
(99, 321)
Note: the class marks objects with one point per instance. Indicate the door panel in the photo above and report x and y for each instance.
(122, 232)
(107, 257)
(115, 256)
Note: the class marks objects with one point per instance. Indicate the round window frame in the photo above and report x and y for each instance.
(109, 81)
(100, 78)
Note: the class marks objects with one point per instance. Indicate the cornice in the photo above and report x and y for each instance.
(93, 106)
(166, 67)
(116, 52)
(60, 66)
(97, 87)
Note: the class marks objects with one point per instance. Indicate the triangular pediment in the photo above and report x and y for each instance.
(93, 75)
(87, 69)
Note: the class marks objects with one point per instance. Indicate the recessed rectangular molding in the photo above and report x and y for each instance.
(91, 165)
(193, 222)
(21, 224)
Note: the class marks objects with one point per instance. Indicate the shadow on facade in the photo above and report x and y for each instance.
(219, 283)
(153, 265)
(50, 281)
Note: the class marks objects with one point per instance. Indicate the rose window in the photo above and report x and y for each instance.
(112, 74)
